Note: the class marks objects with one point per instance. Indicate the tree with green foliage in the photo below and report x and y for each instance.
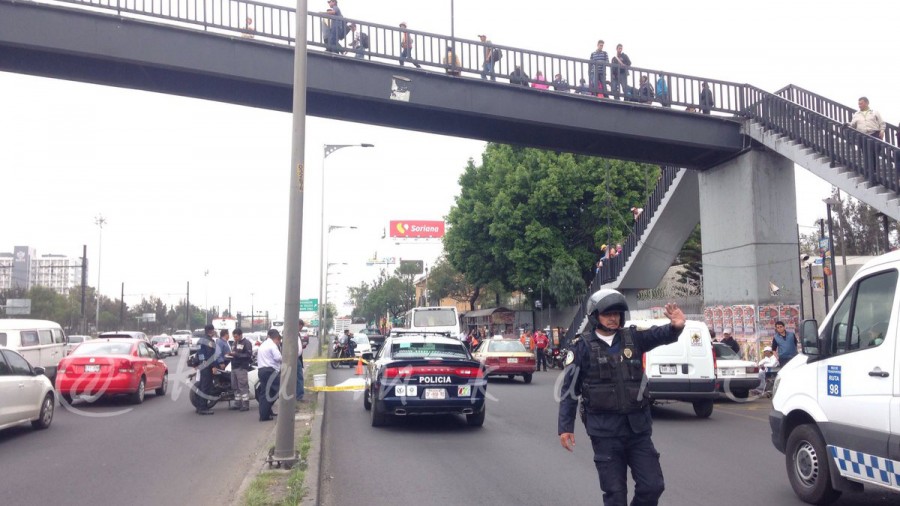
(524, 211)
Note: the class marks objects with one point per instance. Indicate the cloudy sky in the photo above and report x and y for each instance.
(189, 186)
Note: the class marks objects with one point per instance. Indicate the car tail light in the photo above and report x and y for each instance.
(395, 372)
(715, 361)
(491, 360)
(469, 372)
(125, 366)
(753, 370)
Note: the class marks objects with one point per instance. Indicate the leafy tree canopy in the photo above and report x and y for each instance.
(524, 211)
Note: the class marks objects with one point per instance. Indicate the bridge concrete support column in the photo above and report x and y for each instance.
(748, 215)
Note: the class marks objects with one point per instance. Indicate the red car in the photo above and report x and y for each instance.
(104, 367)
(506, 357)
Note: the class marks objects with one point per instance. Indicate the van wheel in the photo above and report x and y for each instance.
(704, 408)
(806, 459)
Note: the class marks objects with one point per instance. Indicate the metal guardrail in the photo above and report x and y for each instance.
(830, 109)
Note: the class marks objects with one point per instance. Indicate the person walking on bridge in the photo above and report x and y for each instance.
(867, 121)
(406, 47)
(490, 60)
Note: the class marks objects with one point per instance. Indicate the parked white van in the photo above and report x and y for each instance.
(443, 319)
(684, 370)
(41, 342)
(836, 408)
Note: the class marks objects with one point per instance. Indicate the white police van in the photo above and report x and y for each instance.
(836, 413)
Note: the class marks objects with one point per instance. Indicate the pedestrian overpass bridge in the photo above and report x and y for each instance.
(740, 157)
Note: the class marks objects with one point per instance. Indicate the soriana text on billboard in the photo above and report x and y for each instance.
(417, 229)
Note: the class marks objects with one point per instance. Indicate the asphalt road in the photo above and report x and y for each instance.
(516, 457)
(158, 452)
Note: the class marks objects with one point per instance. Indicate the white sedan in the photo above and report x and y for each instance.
(26, 395)
(735, 375)
(362, 344)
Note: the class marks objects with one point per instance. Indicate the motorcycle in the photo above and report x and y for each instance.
(221, 391)
(340, 351)
(558, 358)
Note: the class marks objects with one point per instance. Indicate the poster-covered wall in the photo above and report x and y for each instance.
(752, 326)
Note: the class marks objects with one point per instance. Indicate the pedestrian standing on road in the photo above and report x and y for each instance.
(301, 388)
(730, 341)
(268, 358)
(867, 121)
(527, 341)
(604, 371)
(207, 357)
(240, 356)
(785, 344)
(406, 47)
(541, 342)
(222, 350)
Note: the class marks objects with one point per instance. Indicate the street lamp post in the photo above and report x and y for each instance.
(327, 150)
(830, 201)
(252, 313)
(99, 221)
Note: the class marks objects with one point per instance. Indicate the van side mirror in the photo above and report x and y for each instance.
(367, 356)
(809, 339)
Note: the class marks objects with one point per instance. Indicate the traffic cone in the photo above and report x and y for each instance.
(359, 369)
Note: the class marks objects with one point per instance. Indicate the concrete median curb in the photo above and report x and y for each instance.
(314, 458)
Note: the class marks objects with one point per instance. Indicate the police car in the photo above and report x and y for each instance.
(420, 373)
(836, 405)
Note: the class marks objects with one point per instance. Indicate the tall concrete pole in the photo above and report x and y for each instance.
(285, 448)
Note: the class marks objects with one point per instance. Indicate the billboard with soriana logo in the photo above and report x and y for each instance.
(417, 229)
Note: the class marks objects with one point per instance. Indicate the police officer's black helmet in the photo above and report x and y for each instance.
(606, 301)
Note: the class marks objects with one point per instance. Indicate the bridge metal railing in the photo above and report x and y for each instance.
(830, 108)
(876, 161)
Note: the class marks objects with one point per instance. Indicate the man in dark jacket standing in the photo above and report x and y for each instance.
(241, 356)
(604, 371)
(730, 341)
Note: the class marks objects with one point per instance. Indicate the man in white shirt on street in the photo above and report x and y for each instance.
(268, 359)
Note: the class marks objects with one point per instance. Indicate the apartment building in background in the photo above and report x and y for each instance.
(23, 268)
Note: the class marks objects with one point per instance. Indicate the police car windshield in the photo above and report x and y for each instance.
(427, 350)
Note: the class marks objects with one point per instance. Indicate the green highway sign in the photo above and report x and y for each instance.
(314, 323)
(309, 304)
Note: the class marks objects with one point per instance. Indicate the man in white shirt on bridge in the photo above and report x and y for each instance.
(867, 121)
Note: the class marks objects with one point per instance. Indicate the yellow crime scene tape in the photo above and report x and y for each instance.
(357, 359)
(343, 388)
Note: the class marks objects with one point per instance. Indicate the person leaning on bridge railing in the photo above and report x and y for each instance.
(867, 121)
(451, 61)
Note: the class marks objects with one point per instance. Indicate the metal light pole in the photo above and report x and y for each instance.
(327, 150)
(251, 312)
(828, 203)
(285, 448)
(99, 220)
(824, 266)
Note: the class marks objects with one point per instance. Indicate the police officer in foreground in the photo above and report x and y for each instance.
(604, 370)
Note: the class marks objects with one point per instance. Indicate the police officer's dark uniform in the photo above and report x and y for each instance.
(610, 382)
(207, 355)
